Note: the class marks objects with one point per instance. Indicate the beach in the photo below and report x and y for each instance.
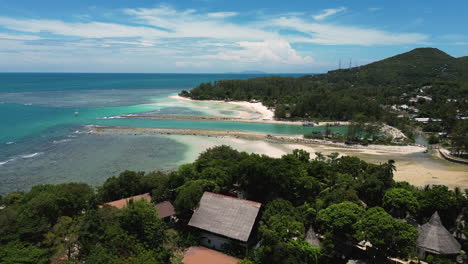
(412, 164)
(247, 111)
(44, 141)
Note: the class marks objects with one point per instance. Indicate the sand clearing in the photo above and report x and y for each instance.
(420, 175)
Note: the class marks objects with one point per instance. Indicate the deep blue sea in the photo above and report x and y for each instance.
(42, 119)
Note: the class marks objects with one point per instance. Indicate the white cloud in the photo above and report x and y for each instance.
(165, 37)
(190, 24)
(18, 37)
(329, 12)
(328, 34)
(222, 14)
(268, 51)
(85, 30)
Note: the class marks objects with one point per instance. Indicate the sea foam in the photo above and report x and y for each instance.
(27, 156)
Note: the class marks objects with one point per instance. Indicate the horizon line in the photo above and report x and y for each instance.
(247, 73)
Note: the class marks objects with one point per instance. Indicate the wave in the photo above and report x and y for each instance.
(6, 161)
(27, 156)
(61, 141)
(9, 143)
(110, 117)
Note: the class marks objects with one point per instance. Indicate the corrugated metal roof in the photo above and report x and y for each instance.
(225, 215)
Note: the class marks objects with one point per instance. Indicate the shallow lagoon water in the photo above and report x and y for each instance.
(43, 139)
(42, 117)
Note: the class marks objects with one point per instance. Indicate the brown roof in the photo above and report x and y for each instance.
(202, 255)
(434, 238)
(123, 202)
(225, 215)
(165, 209)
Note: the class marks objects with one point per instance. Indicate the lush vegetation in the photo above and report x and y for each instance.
(367, 91)
(344, 199)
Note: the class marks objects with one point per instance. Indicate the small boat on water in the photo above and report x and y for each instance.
(77, 113)
(309, 124)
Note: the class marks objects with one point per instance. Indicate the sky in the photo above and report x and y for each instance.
(219, 36)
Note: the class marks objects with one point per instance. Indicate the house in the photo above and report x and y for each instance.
(223, 220)
(165, 209)
(123, 202)
(203, 255)
(434, 238)
(423, 120)
(427, 98)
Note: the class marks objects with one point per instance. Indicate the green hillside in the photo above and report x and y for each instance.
(343, 94)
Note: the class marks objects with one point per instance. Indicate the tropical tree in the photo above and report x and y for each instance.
(389, 237)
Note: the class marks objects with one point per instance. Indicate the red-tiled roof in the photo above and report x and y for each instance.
(202, 255)
(123, 202)
(165, 209)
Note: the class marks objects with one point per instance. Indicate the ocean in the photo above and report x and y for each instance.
(43, 116)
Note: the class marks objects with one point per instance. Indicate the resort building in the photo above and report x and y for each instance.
(203, 255)
(123, 202)
(224, 220)
(165, 209)
(434, 238)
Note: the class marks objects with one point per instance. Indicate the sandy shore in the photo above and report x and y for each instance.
(254, 111)
(289, 139)
(212, 118)
(413, 166)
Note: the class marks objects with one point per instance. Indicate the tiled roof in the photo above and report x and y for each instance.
(202, 255)
(123, 202)
(165, 209)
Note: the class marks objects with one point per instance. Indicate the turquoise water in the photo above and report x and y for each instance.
(42, 117)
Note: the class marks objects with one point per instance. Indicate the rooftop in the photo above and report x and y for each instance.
(225, 215)
(123, 202)
(165, 209)
(202, 255)
(435, 238)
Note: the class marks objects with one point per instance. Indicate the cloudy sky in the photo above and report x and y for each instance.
(215, 36)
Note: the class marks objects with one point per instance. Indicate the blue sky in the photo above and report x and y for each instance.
(213, 36)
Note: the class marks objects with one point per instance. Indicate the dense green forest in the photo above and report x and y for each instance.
(343, 198)
(342, 94)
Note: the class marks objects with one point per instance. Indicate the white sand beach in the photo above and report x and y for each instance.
(248, 111)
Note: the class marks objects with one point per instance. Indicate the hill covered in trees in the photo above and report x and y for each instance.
(345, 199)
(342, 94)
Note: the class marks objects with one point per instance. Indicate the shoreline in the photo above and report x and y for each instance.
(213, 118)
(281, 139)
(413, 166)
(265, 113)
